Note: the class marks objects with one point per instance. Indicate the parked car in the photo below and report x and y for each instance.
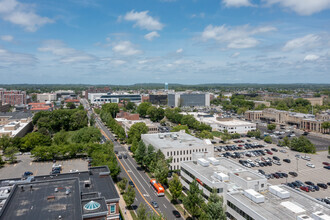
(276, 158)
(304, 188)
(317, 188)
(293, 174)
(310, 165)
(287, 160)
(327, 167)
(322, 185)
(309, 183)
(274, 149)
(125, 156)
(27, 173)
(326, 163)
(131, 183)
(120, 157)
(176, 214)
(154, 204)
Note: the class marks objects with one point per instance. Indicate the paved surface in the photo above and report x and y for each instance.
(315, 175)
(129, 169)
(320, 143)
(26, 163)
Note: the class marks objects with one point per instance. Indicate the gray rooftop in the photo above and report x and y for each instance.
(16, 115)
(172, 140)
(272, 208)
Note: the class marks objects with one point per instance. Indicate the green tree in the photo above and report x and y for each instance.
(225, 136)
(129, 196)
(180, 127)
(1, 161)
(34, 139)
(42, 153)
(152, 112)
(134, 146)
(286, 141)
(10, 152)
(194, 200)
(268, 139)
(87, 135)
(325, 125)
(215, 209)
(175, 187)
(140, 152)
(271, 127)
(70, 105)
(78, 120)
(255, 133)
(302, 144)
(92, 120)
(142, 212)
(150, 155)
(111, 108)
(205, 135)
(122, 185)
(136, 130)
(130, 106)
(143, 108)
(5, 141)
(161, 171)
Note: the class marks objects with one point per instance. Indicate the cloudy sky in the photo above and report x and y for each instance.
(178, 41)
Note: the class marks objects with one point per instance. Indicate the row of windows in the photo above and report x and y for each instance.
(239, 211)
(185, 152)
(187, 181)
(181, 159)
(219, 190)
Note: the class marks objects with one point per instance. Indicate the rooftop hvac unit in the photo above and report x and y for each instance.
(203, 162)
(278, 191)
(221, 176)
(320, 216)
(213, 161)
(304, 217)
(161, 136)
(254, 196)
(174, 136)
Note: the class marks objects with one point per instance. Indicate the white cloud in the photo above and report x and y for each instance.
(7, 38)
(235, 54)
(151, 35)
(66, 54)
(125, 48)
(118, 62)
(143, 20)
(307, 41)
(179, 50)
(12, 58)
(236, 3)
(302, 7)
(200, 15)
(311, 57)
(22, 15)
(235, 37)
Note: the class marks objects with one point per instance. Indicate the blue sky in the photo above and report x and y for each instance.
(175, 41)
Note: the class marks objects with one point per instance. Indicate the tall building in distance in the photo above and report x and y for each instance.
(13, 97)
(188, 99)
(166, 86)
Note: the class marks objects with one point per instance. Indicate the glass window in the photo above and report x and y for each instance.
(112, 209)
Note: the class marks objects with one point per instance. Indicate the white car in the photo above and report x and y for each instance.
(310, 165)
(292, 135)
(74, 171)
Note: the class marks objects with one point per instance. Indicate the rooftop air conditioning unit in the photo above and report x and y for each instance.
(254, 196)
(278, 191)
(221, 176)
(203, 162)
(304, 217)
(320, 216)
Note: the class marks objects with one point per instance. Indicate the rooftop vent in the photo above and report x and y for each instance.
(92, 205)
(221, 176)
(203, 162)
(320, 216)
(254, 196)
(304, 217)
(276, 190)
(213, 161)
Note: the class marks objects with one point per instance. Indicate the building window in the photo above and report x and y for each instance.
(112, 209)
(174, 160)
(168, 153)
(262, 185)
(173, 153)
(190, 151)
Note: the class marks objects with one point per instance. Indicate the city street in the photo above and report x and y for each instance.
(129, 169)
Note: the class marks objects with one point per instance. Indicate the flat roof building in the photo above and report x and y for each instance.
(247, 194)
(188, 99)
(84, 195)
(178, 145)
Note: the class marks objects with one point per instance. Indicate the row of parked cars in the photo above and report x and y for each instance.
(308, 186)
(277, 175)
(238, 147)
(326, 200)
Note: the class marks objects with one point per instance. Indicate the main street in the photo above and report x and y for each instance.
(130, 170)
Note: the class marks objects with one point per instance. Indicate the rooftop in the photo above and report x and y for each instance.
(172, 140)
(277, 208)
(16, 115)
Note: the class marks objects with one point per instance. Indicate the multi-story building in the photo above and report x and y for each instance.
(158, 99)
(188, 99)
(116, 98)
(247, 194)
(15, 124)
(127, 115)
(178, 145)
(43, 106)
(127, 124)
(92, 90)
(44, 97)
(13, 97)
(85, 195)
(4, 107)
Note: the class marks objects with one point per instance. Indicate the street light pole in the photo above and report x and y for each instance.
(297, 163)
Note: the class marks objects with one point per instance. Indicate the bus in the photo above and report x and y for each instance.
(158, 187)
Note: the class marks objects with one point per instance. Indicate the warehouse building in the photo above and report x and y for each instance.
(178, 145)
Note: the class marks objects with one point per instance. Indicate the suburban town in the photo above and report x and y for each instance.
(165, 110)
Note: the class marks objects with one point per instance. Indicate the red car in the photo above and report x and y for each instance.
(304, 188)
(326, 163)
(269, 152)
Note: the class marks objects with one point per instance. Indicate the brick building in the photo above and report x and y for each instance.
(13, 97)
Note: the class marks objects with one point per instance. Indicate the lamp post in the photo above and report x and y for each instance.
(297, 163)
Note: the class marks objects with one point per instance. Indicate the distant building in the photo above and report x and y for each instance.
(156, 99)
(258, 103)
(13, 97)
(178, 145)
(188, 99)
(65, 94)
(127, 115)
(76, 102)
(166, 86)
(127, 124)
(92, 90)
(116, 98)
(15, 124)
(4, 107)
(43, 106)
(85, 195)
(315, 101)
(44, 97)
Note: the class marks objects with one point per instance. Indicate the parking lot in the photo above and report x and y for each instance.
(26, 163)
(315, 175)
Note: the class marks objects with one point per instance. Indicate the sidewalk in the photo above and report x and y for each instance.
(122, 206)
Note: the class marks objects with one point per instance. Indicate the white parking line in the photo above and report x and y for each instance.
(165, 206)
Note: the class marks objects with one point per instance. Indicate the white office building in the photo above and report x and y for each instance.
(44, 97)
(246, 193)
(178, 145)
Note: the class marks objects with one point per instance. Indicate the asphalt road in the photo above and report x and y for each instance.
(129, 169)
(320, 143)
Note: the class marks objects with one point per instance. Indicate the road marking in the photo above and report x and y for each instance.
(139, 173)
(15, 164)
(132, 179)
(165, 206)
(30, 163)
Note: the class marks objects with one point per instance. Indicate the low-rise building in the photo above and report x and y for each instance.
(16, 128)
(4, 107)
(83, 195)
(247, 194)
(127, 124)
(116, 98)
(43, 106)
(44, 97)
(127, 115)
(178, 145)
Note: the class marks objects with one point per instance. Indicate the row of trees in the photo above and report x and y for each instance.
(195, 205)
(108, 119)
(301, 144)
(155, 114)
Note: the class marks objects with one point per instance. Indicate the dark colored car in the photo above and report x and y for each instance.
(120, 157)
(316, 188)
(309, 183)
(274, 149)
(176, 214)
(293, 174)
(322, 185)
(326, 163)
(27, 173)
(131, 183)
(276, 175)
(327, 167)
(261, 171)
(55, 172)
(287, 160)
(125, 156)
(116, 152)
(328, 183)
(285, 175)
(294, 184)
(291, 185)
(276, 158)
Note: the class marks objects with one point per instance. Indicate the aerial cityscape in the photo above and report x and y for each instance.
(165, 109)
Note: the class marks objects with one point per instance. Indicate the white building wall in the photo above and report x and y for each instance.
(240, 129)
